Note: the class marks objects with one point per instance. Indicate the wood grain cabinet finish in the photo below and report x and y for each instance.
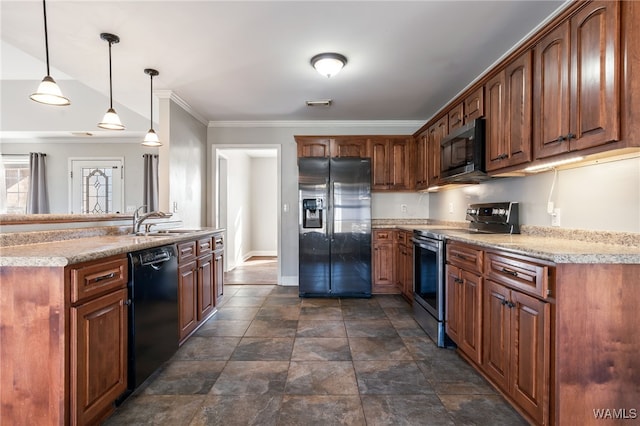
(516, 348)
(438, 131)
(99, 330)
(463, 282)
(577, 82)
(350, 147)
(384, 276)
(197, 276)
(474, 105)
(509, 106)
(391, 163)
(312, 146)
(218, 267)
(456, 117)
(422, 160)
(403, 257)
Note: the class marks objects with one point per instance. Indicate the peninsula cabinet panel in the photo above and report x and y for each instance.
(98, 356)
(187, 299)
(206, 290)
(509, 114)
(577, 82)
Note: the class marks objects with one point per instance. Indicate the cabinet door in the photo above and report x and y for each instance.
(422, 159)
(474, 105)
(99, 342)
(187, 298)
(551, 105)
(436, 133)
(470, 318)
(456, 117)
(379, 164)
(350, 147)
(384, 280)
(518, 110)
(530, 354)
(496, 150)
(595, 76)
(313, 147)
(218, 274)
(206, 290)
(496, 324)
(453, 283)
(408, 270)
(400, 163)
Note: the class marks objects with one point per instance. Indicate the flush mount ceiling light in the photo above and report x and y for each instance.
(48, 91)
(110, 121)
(328, 64)
(151, 138)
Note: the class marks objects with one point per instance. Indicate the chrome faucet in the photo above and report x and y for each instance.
(138, 219)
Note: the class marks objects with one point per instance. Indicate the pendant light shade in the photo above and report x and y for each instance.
(151, 138)
(48, 91)
(328, 64)
(110, 121)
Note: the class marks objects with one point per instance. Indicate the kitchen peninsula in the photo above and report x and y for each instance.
(65, 316)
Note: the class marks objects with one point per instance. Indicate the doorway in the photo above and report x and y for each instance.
(247, 200)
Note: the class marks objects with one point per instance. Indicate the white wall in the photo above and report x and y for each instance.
(238, 208)
(59, 152)
(602, 197)
(264, 206)
(388, 205)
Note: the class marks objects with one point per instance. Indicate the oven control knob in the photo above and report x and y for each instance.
(502, 212)
(494, 212)
(471, 211)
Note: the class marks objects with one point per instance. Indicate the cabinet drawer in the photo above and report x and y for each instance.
(98, 277)
(521, 274)
(382, 235)
(186, 251)
(466, 257)
(204, 245)
(218, 242)
(401, 237)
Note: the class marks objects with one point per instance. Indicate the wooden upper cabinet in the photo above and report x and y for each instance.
(350, 147)
(456, 117)
(508, 114)
(311, 146)
(578, 83)
(436, 133)
(422, 160)
(474, 105)
(391, 162)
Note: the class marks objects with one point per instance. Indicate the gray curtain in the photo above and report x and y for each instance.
(150, 190)
(37, 197)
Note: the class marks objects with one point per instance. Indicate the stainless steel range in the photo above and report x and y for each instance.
(429, 261)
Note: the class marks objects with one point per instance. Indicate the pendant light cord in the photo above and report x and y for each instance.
(151, 101)
(46, 37)
(110, 83)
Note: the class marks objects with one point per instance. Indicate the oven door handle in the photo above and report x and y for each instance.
(433, 246)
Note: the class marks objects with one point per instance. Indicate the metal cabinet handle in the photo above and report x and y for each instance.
(461, 256)
(560, 138)
(571, 136)
(105, 277)
(458, 281)
(509, 272)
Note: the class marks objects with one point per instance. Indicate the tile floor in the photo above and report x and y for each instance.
(268, 357)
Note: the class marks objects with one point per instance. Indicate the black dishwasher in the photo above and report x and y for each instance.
(153, 330)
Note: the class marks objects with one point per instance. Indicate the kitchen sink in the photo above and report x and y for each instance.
(166, 232)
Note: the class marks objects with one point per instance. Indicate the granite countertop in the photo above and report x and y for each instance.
(67, 252)
(556, 249)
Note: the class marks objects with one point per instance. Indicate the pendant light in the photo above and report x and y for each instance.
(48, 91)
(151, 138)
(110, 121)
(328, 64)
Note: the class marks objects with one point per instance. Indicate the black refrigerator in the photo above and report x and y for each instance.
(334, 227)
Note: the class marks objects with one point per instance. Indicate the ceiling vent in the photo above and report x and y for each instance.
(323, 102)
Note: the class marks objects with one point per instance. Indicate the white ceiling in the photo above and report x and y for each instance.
(240, 60)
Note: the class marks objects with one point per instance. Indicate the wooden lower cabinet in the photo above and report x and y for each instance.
(197, 290)
(516, 349)
(384, 277)
(99, 338)
(463, 311)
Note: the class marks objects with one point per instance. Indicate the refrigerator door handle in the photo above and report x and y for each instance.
(330, 211)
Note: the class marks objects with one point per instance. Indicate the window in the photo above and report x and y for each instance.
(14, 183)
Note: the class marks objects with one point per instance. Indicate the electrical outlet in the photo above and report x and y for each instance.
(555, 217)
(450, 208)
(403, 208)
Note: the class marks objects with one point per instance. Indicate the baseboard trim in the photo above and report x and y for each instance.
(289, 280)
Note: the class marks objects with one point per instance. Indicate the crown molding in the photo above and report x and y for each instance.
(320, 123)
(171, 95)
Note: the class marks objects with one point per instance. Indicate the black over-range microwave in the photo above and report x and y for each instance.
(462, 154)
